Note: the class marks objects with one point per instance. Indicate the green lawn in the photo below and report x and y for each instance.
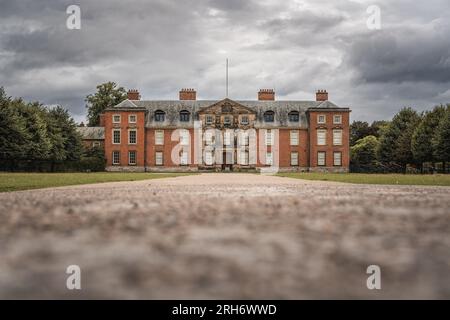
(401, 179)
(25, 181)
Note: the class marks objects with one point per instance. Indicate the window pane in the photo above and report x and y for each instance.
(337, 159)
(294, 138)
(337, 119)
(208, 158)
(294, 158)
(269, 138)
(116, 136)
(294, 116)
(116, 118)
(269, 158)
(132, 157)
(132, 118)
(159, 158)
(116, 157)
(159, 137)
(321, 137)
(321, 119)
(337, 137)
(184, 158)
(321, 158)
(132, 137)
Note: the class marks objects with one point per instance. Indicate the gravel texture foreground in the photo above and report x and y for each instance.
(227, 236)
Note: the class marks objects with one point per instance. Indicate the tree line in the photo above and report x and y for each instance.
(411, 142)
(36, 138)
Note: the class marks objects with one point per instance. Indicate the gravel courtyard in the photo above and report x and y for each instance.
(226, 236)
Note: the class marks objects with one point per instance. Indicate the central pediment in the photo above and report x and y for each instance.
(226, 106)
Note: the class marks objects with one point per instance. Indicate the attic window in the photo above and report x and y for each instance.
(269, 116)
(184, 116)
(160, 116)
(294, 116)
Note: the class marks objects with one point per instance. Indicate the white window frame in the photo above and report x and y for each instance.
(157, 162)
(159, 137)
(319, 159)
(209, 116)
(129, 118)
(244, 138)
(244, 158)
(245, 122)
(116, 115)
(339, 164)
(129, 136)
(184, 137)
(269, 138)
(321, 141)
(209, 137)
(294, 163)
(269, 158)
(337, 137)
(324, 118)
(129, 158)
(113, 137)
(184, 158)
(209, 158)
(114, 162)
(294, 137)
(96, 144)
(228, 138)
(339, 117)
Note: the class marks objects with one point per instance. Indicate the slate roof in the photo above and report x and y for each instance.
(92, 133)
(172, 109)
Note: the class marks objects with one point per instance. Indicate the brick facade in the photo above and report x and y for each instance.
(297, 127)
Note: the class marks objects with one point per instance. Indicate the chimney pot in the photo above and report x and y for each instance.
(321, 95)
(266, 95)
(133, 94)
(188, 94)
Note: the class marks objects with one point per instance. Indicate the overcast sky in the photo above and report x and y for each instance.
(295, 47)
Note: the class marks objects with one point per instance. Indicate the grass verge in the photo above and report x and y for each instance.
(362, 178)
(26, 181)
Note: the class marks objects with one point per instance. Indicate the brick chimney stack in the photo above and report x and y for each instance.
(266, 95)
(188, 94)
(321, 95)
(133, 94)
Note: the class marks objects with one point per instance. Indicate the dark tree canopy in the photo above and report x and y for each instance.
(107, 95)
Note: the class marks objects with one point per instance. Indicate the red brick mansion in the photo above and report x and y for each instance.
(232, 135)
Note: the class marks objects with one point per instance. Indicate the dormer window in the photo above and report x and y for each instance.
(269, 116)
(184, 116)
(294, 116)
(160, 116)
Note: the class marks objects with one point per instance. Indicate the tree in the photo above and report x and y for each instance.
(66, 141)
(363, 154)
(395, 139)
(441, 139)
(358, 130)
(421, 145)
(107, 95)
(13, 131)
(361, 129)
